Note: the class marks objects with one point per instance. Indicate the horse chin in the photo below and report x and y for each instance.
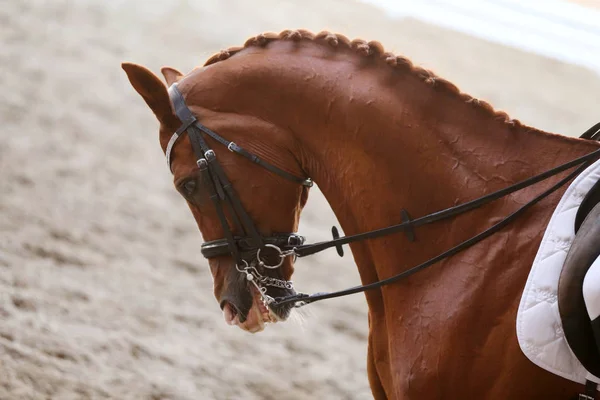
(257, 316)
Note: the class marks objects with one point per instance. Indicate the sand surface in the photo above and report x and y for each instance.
(103, 291)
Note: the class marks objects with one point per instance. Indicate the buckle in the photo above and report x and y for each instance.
(295, 240)
(584, 397)
(202, 163)
(210, 155)
(308, 182)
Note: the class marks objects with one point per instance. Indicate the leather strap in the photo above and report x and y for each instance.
(593, 133)
(214, 196)
(309, 249)
(303, 298)
(254, 158)
(591, 389)
(219, 247)
(585, 161)
(188, 119)
(233, 199)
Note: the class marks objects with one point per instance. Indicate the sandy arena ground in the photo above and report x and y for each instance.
(103, 291)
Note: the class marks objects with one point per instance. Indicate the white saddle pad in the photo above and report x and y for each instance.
(539, 328)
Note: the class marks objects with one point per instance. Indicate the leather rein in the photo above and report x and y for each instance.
(246, 249)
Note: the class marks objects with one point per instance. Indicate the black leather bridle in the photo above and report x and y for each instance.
(246, 250)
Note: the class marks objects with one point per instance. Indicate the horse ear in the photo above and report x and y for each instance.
(151, 88)
(171, 75)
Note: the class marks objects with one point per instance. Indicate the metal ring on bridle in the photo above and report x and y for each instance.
(243, 269)
(281, 254)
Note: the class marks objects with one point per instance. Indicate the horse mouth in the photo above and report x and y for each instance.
(257, 316)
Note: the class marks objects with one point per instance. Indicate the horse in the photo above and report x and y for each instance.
(378, 135)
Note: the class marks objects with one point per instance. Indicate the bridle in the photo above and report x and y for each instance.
(246, 250)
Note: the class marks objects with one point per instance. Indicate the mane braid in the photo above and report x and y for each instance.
(371, 49)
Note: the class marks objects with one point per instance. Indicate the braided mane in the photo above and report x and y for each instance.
(370, 49)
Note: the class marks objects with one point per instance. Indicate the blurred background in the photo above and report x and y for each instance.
(103, 291)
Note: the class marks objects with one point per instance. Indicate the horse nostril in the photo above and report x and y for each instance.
(233, 309)
(229, 313)
(223, 304)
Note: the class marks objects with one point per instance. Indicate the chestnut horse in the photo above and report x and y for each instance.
(378, 134)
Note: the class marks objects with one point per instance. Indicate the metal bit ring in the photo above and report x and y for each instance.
(280, 253)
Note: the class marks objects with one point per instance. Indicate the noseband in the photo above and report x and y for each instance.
(246, 250)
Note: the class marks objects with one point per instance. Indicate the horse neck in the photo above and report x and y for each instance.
(374, 151)
(421, 150)
(377, 139)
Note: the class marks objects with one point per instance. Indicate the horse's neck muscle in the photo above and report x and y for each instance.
(377, 139)
(409, 146)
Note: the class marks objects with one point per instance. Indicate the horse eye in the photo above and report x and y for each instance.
(189, 187)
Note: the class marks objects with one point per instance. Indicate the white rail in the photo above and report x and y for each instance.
(553, 28)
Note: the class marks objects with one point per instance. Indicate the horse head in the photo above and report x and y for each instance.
(271, 203)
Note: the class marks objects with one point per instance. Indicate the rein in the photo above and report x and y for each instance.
(306, 299)
(246, 250)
